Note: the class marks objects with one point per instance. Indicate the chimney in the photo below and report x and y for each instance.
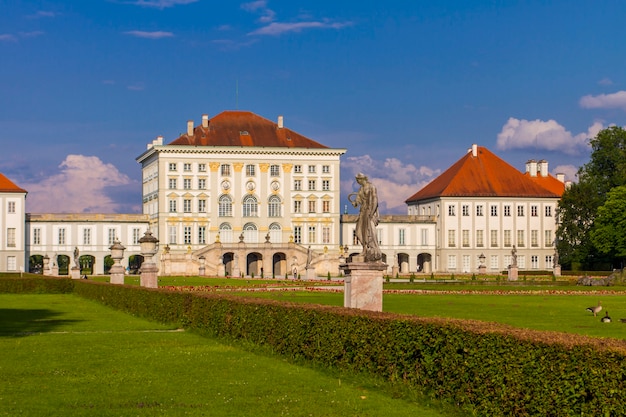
(159, 140)
(280, 122)
(474, 150)
(531, 167)
(205, 121)
(543, 167)
(560, 177)
(189, 127)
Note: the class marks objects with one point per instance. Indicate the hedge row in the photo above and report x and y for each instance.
(485, 368)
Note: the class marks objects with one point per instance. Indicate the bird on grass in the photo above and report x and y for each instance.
(595, 309)
(606, 318)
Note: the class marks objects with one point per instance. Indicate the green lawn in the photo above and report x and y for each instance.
(66, 356)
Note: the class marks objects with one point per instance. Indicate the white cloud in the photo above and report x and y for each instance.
(604, 101)
(43, 14)
(540, 134)
(605, 81)
(570, 172)
(161, 4)
(276, 28)
(395, 181)
(7, 37)
(80, 186)
(149, 35)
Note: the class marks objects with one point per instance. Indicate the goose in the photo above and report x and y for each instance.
(606, 318)
(595, 309)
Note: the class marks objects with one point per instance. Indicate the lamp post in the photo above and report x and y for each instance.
(117, 270)
(148, 271)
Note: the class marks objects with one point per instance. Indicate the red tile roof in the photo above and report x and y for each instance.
(486, 175)
(244, 128)
(7, 186)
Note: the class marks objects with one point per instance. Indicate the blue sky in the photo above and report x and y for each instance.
(406, 86)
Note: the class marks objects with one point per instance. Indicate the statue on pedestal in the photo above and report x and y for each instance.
(76, 253)
(367, 201)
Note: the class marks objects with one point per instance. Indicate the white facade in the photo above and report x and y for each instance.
(12, 227)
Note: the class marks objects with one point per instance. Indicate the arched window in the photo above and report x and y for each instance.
(226, 233)
(250, 233)
(273, 206)
(275, 233)
(250, 206)
(225, 206)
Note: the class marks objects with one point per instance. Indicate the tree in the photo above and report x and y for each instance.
(580, 203)
(609, 228)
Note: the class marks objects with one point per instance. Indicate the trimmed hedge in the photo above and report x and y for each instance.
(484, 368)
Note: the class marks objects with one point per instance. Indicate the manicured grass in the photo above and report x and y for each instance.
(63, 355)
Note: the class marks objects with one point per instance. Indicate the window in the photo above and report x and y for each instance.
(451, 261)
(275, 233)
(201, 183)
(297, 206)
(226, 233)
(311, 169)
(533, 211)
(507, 238)
(534, 238)
(548, 211)
(250, 206)
(202, 206)
(187, 183)
(225, 168)
(250, 170)
(451, 210)
(325, 206)
(520, 211)
(451, 238)
(494, 262)
(466, 263)
(173, 206)
(311, 185)
(171, 233)
(297, 234)
(11, 237)
(172, 184)
(187, 205)
(325, 185)
(201, 167)
(312, 206)
(507, 211)
(424, 237)
(37, 236)
(86, 236)
(401, 237)
(187, 167)
(549, 262)
(11, 263)
(297, 185)
(274, 170)
(202, 235)
(312, 238)
(479, 210)
(479, 238)
(494, 211)
(521, 261)
(465, 210)
(297, 169)
(325, 169)
(494, 238)
(547, 237)
(136, 235)
(225, 206)
(61, 236)
(325, 235)
(534, 262)
(187, 235)
(520, 238)
(112, 235)
(11, 207)
(273, 206)
(465, 237)
(172, 166)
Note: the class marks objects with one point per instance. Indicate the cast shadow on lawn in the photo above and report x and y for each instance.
(16, 322)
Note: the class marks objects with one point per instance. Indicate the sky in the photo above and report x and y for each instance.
(406, 86)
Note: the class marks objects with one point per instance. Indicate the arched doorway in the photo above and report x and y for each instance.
(35, 264)
(108, 263)
(63, 261)
(403, 263)
(424, 263)
(86, 263)
(134, 263)
(254, 264)
(279, 265)
(229, 266)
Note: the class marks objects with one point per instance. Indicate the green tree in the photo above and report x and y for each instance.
(609, 228)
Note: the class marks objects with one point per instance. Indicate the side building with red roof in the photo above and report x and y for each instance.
(239, 194)
(12, 220)
(485, 208)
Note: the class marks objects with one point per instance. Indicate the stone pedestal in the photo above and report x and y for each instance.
(394, 271)
(557, 270)
(117, 273)
(482, 269)
(363, 284)
(512, 273)
(75, 272)
(54, 271)
(46, 266)
(148, 275)
(310, 273)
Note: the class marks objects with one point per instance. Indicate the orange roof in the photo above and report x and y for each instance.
(486, 175)
(7, 186)
(244, 128)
